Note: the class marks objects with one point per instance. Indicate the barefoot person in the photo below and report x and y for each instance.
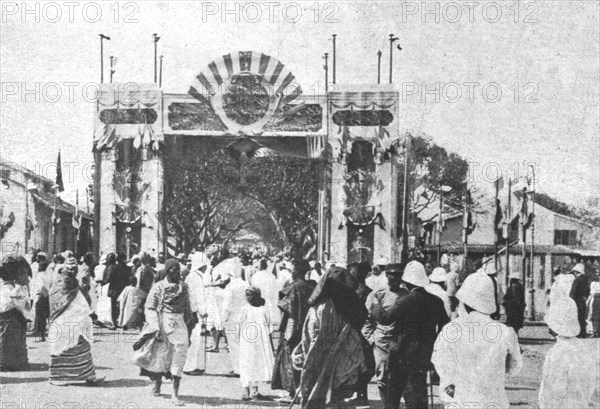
(167, 311)
(70, 332)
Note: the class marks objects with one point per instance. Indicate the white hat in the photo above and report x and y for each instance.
(515, 274)
(579, 268)
(438, 275)
(562, 317)
(444, 260)
(478, 293)
(102, 259)
(415, 274)
(490, 269)
(382, 261)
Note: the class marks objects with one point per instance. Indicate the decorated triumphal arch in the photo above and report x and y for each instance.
(251, 99)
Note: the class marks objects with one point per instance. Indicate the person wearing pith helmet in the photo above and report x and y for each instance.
(418, 315)
(473, 353)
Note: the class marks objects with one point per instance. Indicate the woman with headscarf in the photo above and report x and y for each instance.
(293, 304)
(70, 333)
(14, 311)
(331, 354)
(256, 350)
(167, 313)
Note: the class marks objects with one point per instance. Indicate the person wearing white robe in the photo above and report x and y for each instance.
(570, 378)
(233, 302)
(195, 363)
(473, 353)
(256, 351)
(269, 287)
(103, 311)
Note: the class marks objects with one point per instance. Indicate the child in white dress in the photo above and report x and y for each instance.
(256, 352)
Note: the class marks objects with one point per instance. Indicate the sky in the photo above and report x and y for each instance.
(508, 85)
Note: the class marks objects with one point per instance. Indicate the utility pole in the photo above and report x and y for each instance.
(404, 255)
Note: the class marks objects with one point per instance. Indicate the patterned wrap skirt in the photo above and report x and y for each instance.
(13, 342)
(73, 365)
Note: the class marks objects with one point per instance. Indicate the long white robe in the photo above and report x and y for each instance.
(256, 352)
(233, 303)
(571, 378)
(474, 353)
(196, 356)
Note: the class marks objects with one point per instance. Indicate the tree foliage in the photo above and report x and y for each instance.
(213, 198)
(430, 167)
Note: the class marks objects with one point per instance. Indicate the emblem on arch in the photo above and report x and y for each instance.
(245, 89)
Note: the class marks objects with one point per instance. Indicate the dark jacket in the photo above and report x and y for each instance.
(118, 278)
(419, 316)
(580, 291)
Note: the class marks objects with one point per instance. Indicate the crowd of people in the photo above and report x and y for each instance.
(320, 334)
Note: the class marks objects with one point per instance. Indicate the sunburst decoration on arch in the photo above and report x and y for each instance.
(272, 78)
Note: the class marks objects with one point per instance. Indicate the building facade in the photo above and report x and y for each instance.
(27, 204)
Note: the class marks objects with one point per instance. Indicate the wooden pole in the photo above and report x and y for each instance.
(496, 227)
(156, 38)
(524, 240)
(160, 71)
(439, 230)
(532, 271)
(404, 255)
(102, 38)
(465, 227)
(26, 241)
(326, 67)
(334, 58)
(379, 67)
(112, 71)
(509, 214)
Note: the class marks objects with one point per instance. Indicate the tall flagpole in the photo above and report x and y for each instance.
(326, 67)
(160, 73)
(102, 38)
(379, 67)
(334, 58)
(392, 39)
(496, 184)
(523, 226)
(156, 38)
(26, 215)
(532, 290)
(465, 226)
(404, 255)
(54, 219)
(509, 219)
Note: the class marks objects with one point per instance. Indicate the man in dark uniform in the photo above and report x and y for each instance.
(418, 317)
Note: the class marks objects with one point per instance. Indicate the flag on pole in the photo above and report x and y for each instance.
(525, 216)
(499, 184)
(59, 179)
(468, 223)
(29, 227)
(77, 216)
